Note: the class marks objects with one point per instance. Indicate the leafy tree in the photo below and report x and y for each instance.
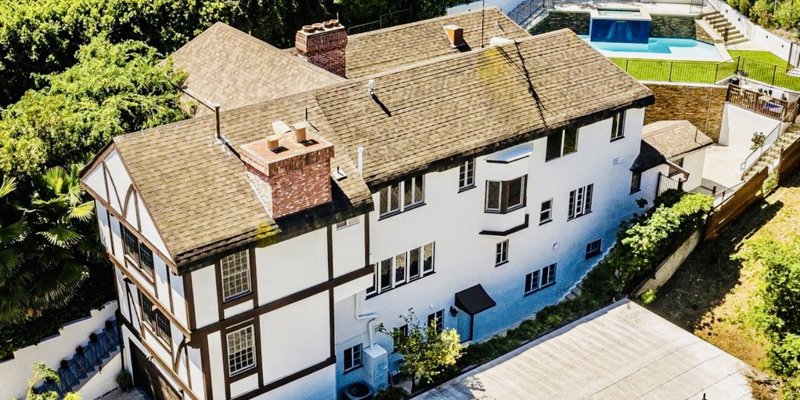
(42, 372)
(41, 36)
(47, 256)
(114, 89)
(425, 351)
(12, 231)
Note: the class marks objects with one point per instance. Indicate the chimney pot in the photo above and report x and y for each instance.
(300, 132)
(308, 28)
(455, 34)
(327, 24)
(273, 142)
(318, 26)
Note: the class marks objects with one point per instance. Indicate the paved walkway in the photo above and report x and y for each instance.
(621, 352)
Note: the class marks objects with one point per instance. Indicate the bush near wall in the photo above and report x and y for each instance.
(642, 243)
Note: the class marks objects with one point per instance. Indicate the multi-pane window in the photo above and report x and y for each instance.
(466, 175)
(131, 244)
(146, 259)
(546, 212)
(593, 248)
(402, 268)
(505, 196)
(408, 193)
(562, 143)
(437, 320)
(403, 334)
(618, 126)
(540, 279)
(241, 350)
(636, 181)
(580, 201)
(352, 358)
(549, 275)
(501, 253)
(235, 270)
(347, 222)
(532, 282)
(153, 318)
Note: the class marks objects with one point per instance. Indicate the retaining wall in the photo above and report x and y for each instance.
(671, 264)
(14, 373)
(702, 105)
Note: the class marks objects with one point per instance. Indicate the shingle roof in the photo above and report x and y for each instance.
(673, 138)
(381, 50)
(234, 69)
(423, 117)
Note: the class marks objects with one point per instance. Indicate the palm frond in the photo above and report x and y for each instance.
(82, 212)
(60, 235)
(13, 233)
(8, 186)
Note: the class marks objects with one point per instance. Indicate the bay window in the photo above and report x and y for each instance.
(505, 196)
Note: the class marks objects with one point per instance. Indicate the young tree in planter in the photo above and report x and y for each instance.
(425, 350)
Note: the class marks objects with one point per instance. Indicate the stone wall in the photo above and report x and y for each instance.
(555, 20)
(674, 26)
(701, 34)
(702, 105)
(670, 265)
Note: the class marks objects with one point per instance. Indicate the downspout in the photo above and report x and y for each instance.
(371, 317)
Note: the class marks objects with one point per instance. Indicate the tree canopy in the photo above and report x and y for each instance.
(113, 89)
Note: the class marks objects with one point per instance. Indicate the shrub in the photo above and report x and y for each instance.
(648, 296)
(392, 393)
(124, 381)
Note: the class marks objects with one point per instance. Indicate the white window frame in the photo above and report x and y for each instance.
(466, 175)
(439, 317)
(356, 357)
(250, 341)
(549, 211)
(405, 201)
(548, 275)
(501, 253)
(618, 126)
(580, 201)
(225, 263)
(404, 258)
(532, 282)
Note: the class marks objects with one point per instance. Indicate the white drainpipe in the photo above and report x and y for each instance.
(370, 324)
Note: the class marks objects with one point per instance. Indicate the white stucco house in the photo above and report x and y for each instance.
(333, 187)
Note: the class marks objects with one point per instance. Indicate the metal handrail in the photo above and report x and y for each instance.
(773, 136)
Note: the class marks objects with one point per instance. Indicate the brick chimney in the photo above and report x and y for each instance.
(323, 44)
(455, 34)
(291, 168)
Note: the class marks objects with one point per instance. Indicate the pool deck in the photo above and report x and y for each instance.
(651, 8)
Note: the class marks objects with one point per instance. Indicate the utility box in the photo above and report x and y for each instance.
(376, 366)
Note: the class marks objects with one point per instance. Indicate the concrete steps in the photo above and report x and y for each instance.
(575, 291)
(721, 26)
(769, 157)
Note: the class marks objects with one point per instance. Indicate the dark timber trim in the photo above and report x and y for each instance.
(287, 379)
(257, 370)
(282, 302)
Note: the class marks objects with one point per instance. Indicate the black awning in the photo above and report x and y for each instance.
(474, 300)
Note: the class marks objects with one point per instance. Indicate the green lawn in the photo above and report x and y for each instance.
(759, 65)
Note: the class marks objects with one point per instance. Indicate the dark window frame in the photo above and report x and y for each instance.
(636, 182)
(503, 198)
(594, 248)
(556, 145)
(618, 126)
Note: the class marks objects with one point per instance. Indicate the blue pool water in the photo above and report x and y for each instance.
(661, 48)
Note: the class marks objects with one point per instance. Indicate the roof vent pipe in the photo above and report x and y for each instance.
(360, 161)
(371, 87)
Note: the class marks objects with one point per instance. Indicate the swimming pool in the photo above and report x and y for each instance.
(660, 48)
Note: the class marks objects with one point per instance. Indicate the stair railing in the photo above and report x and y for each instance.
(769, 140)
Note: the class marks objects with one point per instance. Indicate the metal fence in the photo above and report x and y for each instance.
(676, 71)
(526, 11)
(385, 20)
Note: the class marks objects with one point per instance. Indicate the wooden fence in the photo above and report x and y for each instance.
(790, 161)
(735, 205)
(762, 103)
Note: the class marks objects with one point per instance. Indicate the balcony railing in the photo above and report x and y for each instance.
(762, 103)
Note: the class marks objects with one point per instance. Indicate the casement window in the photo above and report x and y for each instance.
(352, 358)
(501, 253)
(404, 334)
(146, 259)
(531, 282)
(437, 320)
(466, 175)
(235, 270)
(562, 143)
(618, 126)
(546, 212)
(347, 222)
(131, 244)
(540, 279)
(505, 196)
(154, 319)
(401, 196)
(636, 181)
(241, 350)
(580, 201)
(593, 249)
(405, 267)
